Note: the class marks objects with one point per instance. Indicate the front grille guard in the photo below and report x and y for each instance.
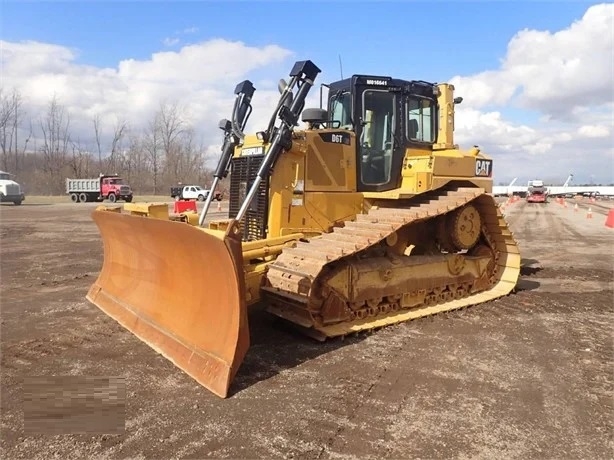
(243, 173)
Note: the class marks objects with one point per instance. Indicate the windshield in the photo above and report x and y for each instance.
(340, 108)
(5, 176)
(116, 181)
(376, 140)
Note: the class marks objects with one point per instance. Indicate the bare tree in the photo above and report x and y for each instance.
(119, 131)
(172, 128)
(29, 135)
(135, 162)
(184, 160)
(7, 114)
(80, 161)
(11, 116)
(121, 126)
(166, 151)
(153, 147)
(186, 154)
(192, 164)
(97, 135)
(56, 142)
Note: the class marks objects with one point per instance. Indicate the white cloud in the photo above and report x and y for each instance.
(594, 131)
(175, 40)
(567, 78)
(29, 56)
(201, 77)
(170, 41)
(552, 72)
(204, 63)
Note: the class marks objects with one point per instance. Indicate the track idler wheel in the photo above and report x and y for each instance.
(464, 226)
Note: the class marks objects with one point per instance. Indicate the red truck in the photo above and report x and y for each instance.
(105, 187)
(537, 195)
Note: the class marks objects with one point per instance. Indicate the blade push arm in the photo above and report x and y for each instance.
(233, 135)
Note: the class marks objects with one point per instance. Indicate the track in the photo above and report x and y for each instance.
(302, 278)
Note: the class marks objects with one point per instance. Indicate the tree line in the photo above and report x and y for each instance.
(42, 149)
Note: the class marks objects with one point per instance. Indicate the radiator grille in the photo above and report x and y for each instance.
(12, 189)
(242, 174)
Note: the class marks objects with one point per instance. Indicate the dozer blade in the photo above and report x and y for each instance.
(177, 288)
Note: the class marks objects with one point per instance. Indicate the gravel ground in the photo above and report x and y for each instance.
(526, 376)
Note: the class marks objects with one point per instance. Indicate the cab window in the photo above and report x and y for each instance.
(420, 120)
(340, 109)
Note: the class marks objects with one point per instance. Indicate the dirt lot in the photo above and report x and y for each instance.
(527, 376)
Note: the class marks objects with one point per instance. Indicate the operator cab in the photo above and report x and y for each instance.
(387, 116)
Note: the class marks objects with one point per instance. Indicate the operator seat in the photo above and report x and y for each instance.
(413, 129)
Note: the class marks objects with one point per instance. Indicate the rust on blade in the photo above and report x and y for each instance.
(177, 288)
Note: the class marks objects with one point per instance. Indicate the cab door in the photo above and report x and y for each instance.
(380, 148)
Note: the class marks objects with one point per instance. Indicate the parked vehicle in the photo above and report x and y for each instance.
(537, 192)
(192, 192)
(105, 187)
(10, 190)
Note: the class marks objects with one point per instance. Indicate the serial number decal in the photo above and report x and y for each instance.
(377, 82)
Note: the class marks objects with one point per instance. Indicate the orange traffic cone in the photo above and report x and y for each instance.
(609, 222)
(589, 213)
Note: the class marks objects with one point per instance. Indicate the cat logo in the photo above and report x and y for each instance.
(249, 151)
(483, 168)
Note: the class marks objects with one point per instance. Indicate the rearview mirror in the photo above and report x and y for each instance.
(282, 85)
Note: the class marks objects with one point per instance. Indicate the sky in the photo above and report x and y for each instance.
(537, 78)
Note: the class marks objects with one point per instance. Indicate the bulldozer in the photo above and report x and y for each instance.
(364, 216)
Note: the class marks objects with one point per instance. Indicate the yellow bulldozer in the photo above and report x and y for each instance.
(366, 216)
